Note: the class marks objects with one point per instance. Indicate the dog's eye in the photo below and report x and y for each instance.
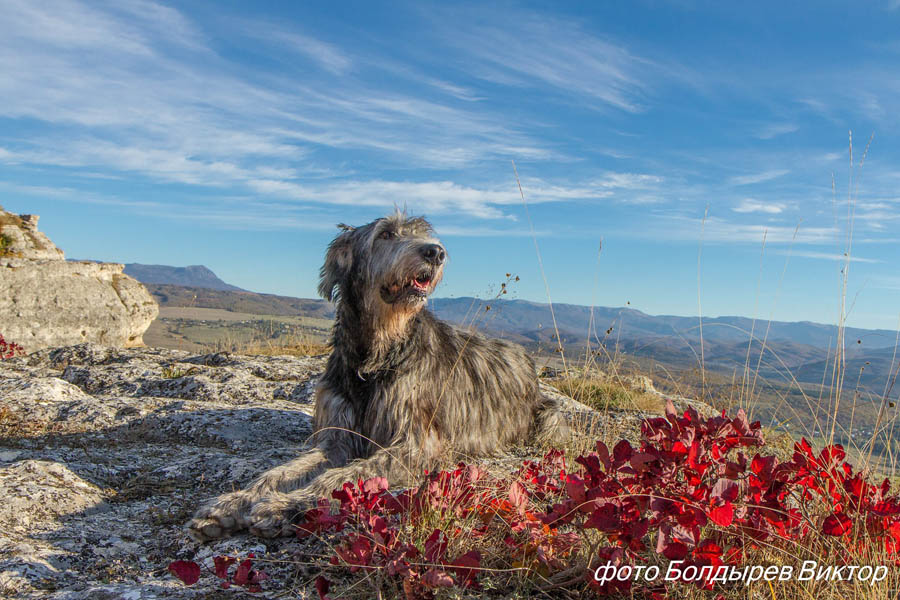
(387, 235)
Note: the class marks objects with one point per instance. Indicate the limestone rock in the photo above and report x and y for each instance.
(47, 301)
(105, 453)
(23, 240)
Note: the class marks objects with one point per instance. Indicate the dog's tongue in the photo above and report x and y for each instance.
(419, 285)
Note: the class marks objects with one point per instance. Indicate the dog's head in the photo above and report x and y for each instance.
(390, 265)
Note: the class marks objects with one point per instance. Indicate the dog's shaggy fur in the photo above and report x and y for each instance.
(402, 391)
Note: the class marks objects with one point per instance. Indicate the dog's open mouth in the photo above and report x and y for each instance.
(421, 281)
(416, 287)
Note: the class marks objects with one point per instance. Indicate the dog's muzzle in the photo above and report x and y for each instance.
(411, 290)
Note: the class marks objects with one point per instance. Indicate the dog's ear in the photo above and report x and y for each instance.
(338, 261)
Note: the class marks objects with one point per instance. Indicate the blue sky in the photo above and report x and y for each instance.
(236, 135)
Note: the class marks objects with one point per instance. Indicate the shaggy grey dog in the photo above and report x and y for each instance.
(402, 391)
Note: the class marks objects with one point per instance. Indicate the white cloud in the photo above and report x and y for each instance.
(759, 177)
(833, 256)
(718, 230)
(328, 56)
(776, 129)
(749, 205)
(135, 87)
(532, 50)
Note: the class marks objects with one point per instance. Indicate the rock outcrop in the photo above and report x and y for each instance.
(46, 301)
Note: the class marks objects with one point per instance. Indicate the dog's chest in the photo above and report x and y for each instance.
(389, 408)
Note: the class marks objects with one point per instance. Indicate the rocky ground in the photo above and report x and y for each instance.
(105, 453)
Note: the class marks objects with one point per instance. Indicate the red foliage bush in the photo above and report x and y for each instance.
(10, 349)
(688, 492)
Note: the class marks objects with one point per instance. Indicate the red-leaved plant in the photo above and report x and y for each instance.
(244, 575)
(10, 349)
(688, 492)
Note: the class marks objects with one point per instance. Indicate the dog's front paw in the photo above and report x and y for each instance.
(220, 517)
(274, 515)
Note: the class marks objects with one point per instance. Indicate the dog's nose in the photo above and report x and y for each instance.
(434, 254)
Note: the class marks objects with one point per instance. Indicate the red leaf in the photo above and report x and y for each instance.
(622, 451)
(186, 570)
(725, 489)
(222, 563)
(518, 497)
(242, 575)
(437, 578)
(668, 546)
(435, 546)
(709, 550)
(670, 411)
(641, 460)
(466, 567)
(603, 454)
(831, 454)
(575, 488)
(723, 515)
(694, 457)
(837, 524)
(762, 466)
(604, 518)
(322, 586)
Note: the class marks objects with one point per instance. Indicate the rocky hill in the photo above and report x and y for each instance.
(533, 320)
(191, 276)
(240, 302)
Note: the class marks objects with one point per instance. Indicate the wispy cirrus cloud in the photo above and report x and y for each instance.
(144, 93)
(147, 94)
(536, 51)
(774, 130)
(719, 230)
(328, 56)
(759, 177)
(832, 256)
(749, 205)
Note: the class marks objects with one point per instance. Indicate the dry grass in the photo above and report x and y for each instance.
(291, 345)
(600, 393)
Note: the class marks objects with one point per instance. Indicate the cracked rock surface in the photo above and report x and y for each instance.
(105, 453)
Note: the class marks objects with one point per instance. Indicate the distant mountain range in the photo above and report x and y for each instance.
(803, 350)
(239, 301)
(534, 320)
(190, 276)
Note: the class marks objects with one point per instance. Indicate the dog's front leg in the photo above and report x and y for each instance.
(334, 446)
(229, 512)
(273, 516)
